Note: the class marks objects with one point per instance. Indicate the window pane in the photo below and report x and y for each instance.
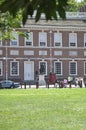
(42, 38)
(72, 68)
(72, 44)
(85, 39)
(29, 40)
(42, 43)
(58, 68)
(85, 68)
(0, 68)
(57, 44)
(0, 39)
(42, 67)
(13, 43)
(72, 39)
(14, 39)
(14, 69)
(58, 39)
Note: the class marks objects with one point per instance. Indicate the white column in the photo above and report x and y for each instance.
(50, 51)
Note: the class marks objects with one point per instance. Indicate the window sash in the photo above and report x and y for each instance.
(0, 68)
(42, 38)
(73, 39)
(85, 68)
(58, 39)
(85, 39)
(58, 68)
(73, 69)
(14, 42)
(29, 40)
(14, 68)
(57, 44)
(0, 39)
(43, 67)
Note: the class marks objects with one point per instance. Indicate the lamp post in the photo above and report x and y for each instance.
(6, 63)
(50, 51)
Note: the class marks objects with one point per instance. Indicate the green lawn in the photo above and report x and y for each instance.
(43, 109)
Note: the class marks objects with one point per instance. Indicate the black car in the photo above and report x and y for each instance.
(9, 84)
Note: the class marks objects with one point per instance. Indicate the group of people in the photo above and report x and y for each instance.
(53, 79)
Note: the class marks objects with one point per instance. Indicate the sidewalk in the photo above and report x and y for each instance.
(44, 86)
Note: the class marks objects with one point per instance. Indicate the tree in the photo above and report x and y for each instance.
(27, 7)
(8, 24)
(47, 7)
(73, 6)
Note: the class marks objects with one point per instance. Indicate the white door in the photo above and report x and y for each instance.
(28, 70)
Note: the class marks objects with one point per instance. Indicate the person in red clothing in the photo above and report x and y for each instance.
(52, 78)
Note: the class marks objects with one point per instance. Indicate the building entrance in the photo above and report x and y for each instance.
(28, 70)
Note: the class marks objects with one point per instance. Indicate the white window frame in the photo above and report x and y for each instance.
(58, 39)
(14, 52)
(72, 39)
(1, 68)
(0, 39)
(46, 66)
(42, 39)
(84, 39)
(70, 68)
(15, 39)
(28, 52)
(29, 40)
(42, 53)
(85, 68)
(55, 67)
(73, 53)
(11, 68)
(58, 53)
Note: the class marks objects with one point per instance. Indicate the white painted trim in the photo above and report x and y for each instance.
(45, 63)
(16, 39)
(1, 68)
(45, 40)
(25, 39)
(84, 67)
(11, 68)
(69, 67)
(60, 38)
(73, 36)
(61, 68)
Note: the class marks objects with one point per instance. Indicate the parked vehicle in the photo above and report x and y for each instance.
(9, 84)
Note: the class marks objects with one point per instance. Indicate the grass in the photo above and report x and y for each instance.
(43, 109)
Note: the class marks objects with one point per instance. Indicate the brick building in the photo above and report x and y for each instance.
(53, 46)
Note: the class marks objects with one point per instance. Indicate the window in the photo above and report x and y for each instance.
(42, 53)
(14, 52)
(14, 39)
(42, 39)
(29, 40)
(28, 52)
(85, 39)
(58, 68)
(84, 53)
(58, 53)
(1, 52)
(73, 68)
(85, 68)
(43, 67)
(72, 39)
(14, 68)
(58, 39)
(0, 68)
(0, 39)
(72, 53)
